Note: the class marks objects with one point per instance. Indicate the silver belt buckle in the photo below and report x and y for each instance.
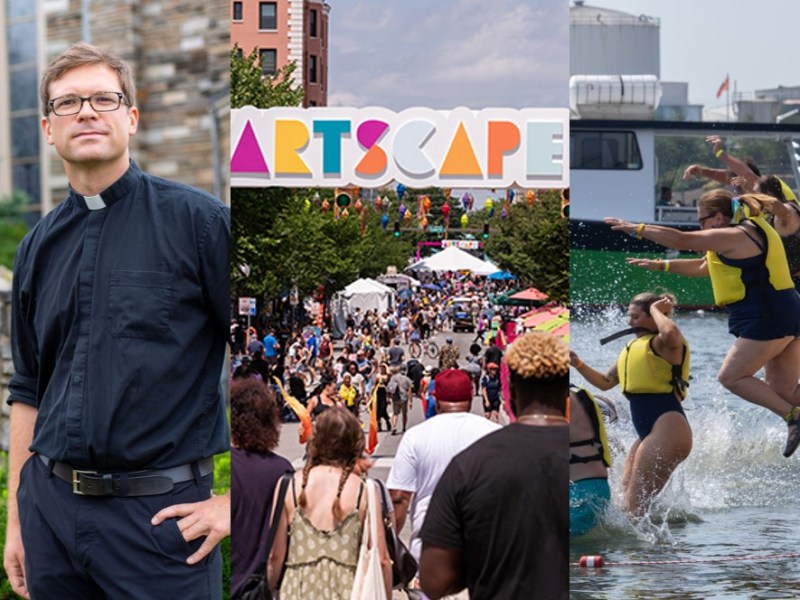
(76, 482)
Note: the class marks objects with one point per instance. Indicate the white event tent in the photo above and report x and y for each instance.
(364, 294)
(455, 259)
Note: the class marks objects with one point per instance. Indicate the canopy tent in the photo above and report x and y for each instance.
(502, 275)
(531, 294)
(364, 294)
(454, 259)
(554, 319)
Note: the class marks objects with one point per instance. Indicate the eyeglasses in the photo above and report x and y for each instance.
(701, 220)
(64, 106)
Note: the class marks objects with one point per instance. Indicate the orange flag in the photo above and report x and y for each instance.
(300, 410)
(372, 436)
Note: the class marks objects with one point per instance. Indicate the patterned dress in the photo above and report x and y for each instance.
(321, 565)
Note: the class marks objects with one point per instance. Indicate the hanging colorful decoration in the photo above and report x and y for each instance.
(401, 190)
(530, 196)
(378, 203)
(401, 210)
(385, 222)
(464, 220)
(326, 205)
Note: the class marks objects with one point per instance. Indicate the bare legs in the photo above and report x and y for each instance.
(651, 461)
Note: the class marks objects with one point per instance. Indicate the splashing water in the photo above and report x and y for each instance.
(734, 495)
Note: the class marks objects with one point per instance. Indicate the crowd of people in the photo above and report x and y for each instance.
(447, 476)
(337, 377)
(373, 353)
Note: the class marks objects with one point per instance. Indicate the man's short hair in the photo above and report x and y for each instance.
(79, 55)
(453, 385)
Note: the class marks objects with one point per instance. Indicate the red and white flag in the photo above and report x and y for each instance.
(725, 85)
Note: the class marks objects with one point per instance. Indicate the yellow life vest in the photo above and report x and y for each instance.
(642, 371)
(787, 191)
(592, 408)
(726, 280)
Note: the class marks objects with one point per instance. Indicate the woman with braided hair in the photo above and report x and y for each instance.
(319, 533)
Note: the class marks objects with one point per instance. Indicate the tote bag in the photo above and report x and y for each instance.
(368, 583)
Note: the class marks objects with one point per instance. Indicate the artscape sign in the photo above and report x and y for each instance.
(418, 147)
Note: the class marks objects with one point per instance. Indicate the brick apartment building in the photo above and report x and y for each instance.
(180, 54)
(284, 31)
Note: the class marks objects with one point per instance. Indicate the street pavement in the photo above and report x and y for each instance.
(383, 456)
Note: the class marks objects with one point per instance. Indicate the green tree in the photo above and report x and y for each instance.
(533, 243)
(12, 225)
(249, 86)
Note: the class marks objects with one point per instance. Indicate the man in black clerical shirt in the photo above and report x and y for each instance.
(120, 313)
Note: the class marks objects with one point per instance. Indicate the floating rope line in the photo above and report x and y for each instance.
(597, 561)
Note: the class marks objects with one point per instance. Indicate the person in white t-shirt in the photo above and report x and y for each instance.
(426, 450)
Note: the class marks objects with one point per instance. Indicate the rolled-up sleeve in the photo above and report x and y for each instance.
(24, 381)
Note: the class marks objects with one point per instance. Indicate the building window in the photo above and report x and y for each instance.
(267, 15)
(610, 150)
(269, 61)
(312, 69)
(237, 11)
(312, 23)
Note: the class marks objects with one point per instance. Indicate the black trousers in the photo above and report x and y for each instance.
(93, 547)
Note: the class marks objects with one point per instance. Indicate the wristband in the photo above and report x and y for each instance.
(666, 266)
(639, 230)
(719, 152)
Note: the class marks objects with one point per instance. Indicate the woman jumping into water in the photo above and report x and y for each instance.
(746, 262)
(652, 371)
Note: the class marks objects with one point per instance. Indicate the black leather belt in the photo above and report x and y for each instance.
(134, 483)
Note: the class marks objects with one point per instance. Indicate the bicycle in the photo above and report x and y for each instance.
(427, 347)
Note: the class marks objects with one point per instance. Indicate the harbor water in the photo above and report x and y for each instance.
(735, 497)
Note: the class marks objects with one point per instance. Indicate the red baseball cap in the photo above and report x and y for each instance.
(453, 385)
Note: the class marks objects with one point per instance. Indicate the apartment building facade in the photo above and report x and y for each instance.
(283, 31)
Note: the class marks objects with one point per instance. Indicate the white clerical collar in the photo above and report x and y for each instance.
(94, 202)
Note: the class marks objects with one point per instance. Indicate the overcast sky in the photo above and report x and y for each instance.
(447, 53)
(702, 40)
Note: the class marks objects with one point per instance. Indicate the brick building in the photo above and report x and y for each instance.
(180, 54)
(284, 31)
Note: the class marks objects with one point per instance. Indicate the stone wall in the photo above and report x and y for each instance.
(179, 51)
